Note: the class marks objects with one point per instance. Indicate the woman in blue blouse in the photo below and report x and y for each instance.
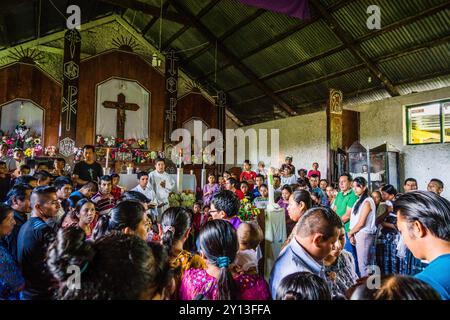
(11, 280)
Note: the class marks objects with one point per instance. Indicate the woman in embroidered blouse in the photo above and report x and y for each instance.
(340, 268)
(299, 202)
(210, 189)
(219, 245)
(174, 228)
(11, 279)
(286, 192)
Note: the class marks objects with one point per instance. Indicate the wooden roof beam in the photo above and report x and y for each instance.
(233, 59)
(394, 55)
(148, 9)
(228, 33)
(279, 37)
(149, 25)
(178, 34)
(354, 48)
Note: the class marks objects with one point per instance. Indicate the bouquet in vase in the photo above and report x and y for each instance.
(247, 211)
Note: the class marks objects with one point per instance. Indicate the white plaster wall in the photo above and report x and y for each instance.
(384, 121)
(303, 137)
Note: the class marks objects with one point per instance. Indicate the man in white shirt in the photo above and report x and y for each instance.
(162, 184)
(144, 188)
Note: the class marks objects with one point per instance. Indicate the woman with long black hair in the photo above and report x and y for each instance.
(174, 229)
(218, 246)
(128, 216)
(362, 225)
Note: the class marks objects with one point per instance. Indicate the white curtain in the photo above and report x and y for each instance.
(26, 110)
(136, 124)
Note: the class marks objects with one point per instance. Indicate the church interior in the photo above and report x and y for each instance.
(338, 86)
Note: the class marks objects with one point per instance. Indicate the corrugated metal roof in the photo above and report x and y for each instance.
(190, 39)
(409, 35)
(265, 27)
(231, 75)
(425, 85)
(168, 28)
(375, 95)
(353, 17)
(137, 19)
(336, 62)
(225, 15)
(306, 43)
(245, 92)
(298, 47)
(419, 63)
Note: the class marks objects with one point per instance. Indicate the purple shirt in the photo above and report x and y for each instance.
(207, 188)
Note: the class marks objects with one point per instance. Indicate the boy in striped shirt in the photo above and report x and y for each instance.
(104, 201)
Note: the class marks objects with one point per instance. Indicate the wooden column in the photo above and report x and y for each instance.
(221, 102)
(334, 129)
(171, 95)
(69, 101)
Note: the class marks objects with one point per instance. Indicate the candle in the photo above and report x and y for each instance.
(180, 179)
(107, 157)
(203, 178)
(270, 186)
(180, 157)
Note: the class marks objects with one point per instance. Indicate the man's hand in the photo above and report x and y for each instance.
(352, 239)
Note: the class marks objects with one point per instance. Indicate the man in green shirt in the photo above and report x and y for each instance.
(343, 204)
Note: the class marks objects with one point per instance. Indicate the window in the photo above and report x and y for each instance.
(428, 123)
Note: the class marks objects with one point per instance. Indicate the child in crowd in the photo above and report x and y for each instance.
(210, 189)
(259, 180)
(262, 169)
(249, 236)
(262, 201)
(288, 176)
(116, 190)
(206, 213)
(248, 175)
(245, 190)
(198, 219)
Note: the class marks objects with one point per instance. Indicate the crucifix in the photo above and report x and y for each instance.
(121, 106)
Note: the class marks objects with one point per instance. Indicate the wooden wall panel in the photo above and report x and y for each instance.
(196, 105)
(126, 65)
(26, 81)
(350, 128)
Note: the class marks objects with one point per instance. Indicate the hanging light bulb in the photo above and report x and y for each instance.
(154, 60)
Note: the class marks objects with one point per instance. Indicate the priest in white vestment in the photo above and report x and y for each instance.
(162, 184)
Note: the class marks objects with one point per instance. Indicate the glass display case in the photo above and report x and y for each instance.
(384, 163)
(357, 160)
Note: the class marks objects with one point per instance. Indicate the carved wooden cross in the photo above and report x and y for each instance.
(121, 106)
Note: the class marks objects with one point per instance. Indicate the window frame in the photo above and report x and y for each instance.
(441, 117)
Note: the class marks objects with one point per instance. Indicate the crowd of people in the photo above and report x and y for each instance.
(80, 235)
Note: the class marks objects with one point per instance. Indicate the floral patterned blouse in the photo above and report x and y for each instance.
(198, 281)
(182, 262)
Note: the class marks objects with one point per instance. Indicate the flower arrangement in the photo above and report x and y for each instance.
(184, 199)
(247, 211)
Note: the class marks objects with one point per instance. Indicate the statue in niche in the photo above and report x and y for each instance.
(20, 133)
